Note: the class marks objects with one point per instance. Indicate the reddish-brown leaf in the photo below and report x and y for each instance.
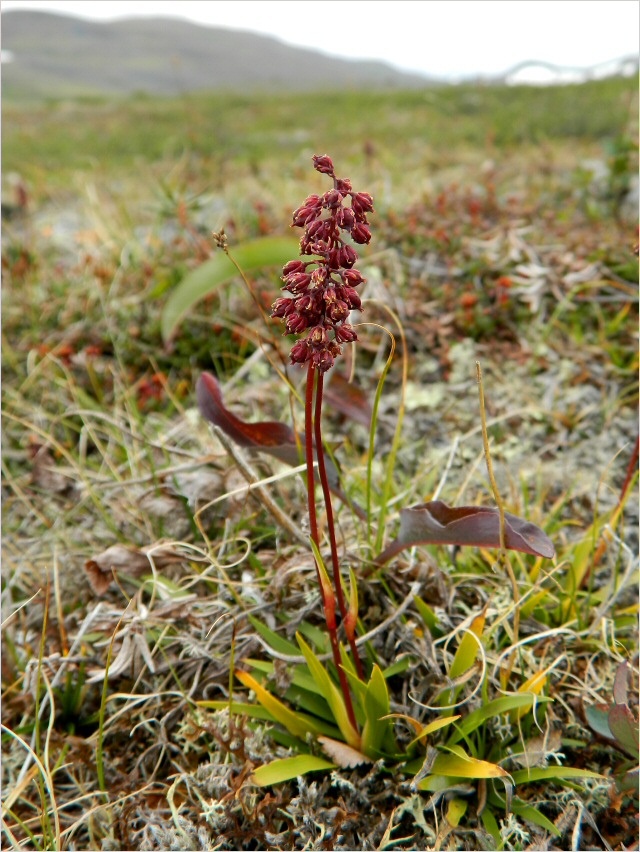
(269, 436)
(437, 523)
(266, 436)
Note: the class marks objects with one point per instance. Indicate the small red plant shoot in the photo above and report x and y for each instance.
(322, 295)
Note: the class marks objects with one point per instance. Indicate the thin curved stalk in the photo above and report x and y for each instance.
(315, 537)
(322, 472)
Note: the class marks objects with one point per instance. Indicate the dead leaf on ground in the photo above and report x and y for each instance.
(129, 561)
(44, 472)
(342, 754)
(537, 750)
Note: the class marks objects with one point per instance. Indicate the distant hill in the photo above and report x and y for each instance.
(51, 55)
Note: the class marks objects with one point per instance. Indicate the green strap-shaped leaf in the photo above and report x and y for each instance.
(458, 764)
(529, 812)
(240, 708)
(469, 647)
(428, 616)
(300, 675)
(276, 640)
(464, 658)
(288, 768)
(533, 815)
(497, 707)
(213, 273)
(551, 773)
(456, 810)
(332, 695)
(296, 723)
(376, 708)
(421, 730)
(490, 824)
(399, 667)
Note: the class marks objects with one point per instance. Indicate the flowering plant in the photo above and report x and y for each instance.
(320, 295)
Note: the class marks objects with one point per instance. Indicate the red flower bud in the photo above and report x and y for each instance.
(300, 352)
(333, 259)
(338, 311)
(318, 277)
(318, 336)
(352, 277)
(305, 245)
(293, 266)
(309, 307)
(360, 233)
(296, 323)
(332, 198)
(313, 201)
(304, 215)
(323, 164)
(319, 247)
(281, 308)
(350, 296)
(304, 304)
(346, 333)
(296, 282)
(318, 229)
(348, 256)
(345, 218)
(361, 202)
(323, 360)
(343, 185)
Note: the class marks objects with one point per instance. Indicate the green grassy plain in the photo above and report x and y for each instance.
(504, 233)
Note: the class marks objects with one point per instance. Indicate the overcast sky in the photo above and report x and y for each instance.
(451, 39)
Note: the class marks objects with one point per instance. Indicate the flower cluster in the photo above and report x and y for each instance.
(323, 290)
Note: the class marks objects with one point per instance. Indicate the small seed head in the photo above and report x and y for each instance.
(323, 164)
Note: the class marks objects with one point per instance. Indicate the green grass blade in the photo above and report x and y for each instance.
(239, 708)
(428, 616)
(491, 826)
(551, 773)
(534, 816)
(494, 708)
(275, 640)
